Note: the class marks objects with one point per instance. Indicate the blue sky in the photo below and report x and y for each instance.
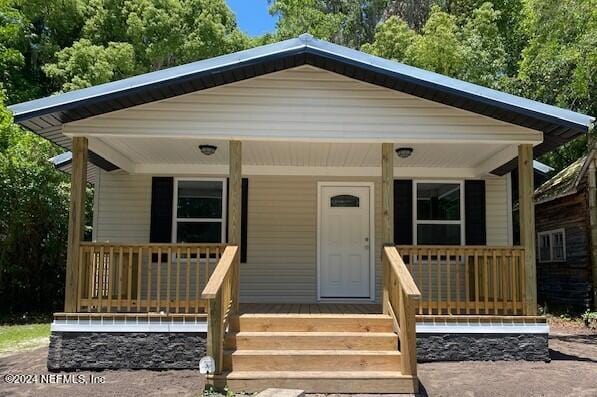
(253, 16)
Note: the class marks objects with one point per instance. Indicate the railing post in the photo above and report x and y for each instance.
(234, 211)
(76, 221)
(408, 334)
(527, 225)
(215, 332)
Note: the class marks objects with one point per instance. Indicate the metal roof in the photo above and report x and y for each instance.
(46, 116)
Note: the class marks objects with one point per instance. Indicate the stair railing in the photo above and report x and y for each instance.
(400, 294)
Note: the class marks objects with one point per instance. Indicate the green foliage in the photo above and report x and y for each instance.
(85, 64)
(120, 38)
(305, 16)
(472, 52)
(33, 221)
(559, 64)
(15, 338)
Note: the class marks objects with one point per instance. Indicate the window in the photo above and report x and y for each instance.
(344, 200)
(199, 211)
(438, 213)
(552, 246)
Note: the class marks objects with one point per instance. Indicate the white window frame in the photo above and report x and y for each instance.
(438, 222)
(223, 219)
(550, 234)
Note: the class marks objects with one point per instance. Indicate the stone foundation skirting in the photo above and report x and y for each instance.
(71, 351)
(482, 347)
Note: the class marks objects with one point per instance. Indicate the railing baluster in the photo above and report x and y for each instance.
(139, 278)
(149, 277)
(130, 279)
(476, 276)
(467, 285)
(188, 275)
(120, 255)
(458, 261)
(159, 281)
(197, 286)
(169, 280)
(485, 283)
(101, 265)
(110, 277)
(448, 282)
(494, 280)
(177, 305)
(439, 281)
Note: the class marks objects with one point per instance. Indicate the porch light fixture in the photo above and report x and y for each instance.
(208, 150)
(404, 152)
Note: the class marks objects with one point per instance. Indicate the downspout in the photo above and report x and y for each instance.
(592, 192)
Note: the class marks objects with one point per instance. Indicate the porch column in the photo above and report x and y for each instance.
(234, 205)
(387, 210)
(527, 225)
(76, 221)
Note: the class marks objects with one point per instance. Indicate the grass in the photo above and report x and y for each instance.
(16, 338)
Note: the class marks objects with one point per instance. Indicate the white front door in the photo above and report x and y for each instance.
(344, 242)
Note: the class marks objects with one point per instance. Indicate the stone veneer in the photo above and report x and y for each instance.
(130, 350)
(481, 347)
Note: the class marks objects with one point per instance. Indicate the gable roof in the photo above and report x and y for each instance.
(46, 116)
(564, 183)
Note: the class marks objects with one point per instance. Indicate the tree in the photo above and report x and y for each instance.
(33, 221)
(296, 17)
(559, 64)
(136, 36)
(473, 52)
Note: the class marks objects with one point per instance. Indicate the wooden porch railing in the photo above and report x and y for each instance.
(461, 280)
(221, 294)
(400, 294)
(143, 278)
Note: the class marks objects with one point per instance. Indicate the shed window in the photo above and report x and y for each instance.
(438, 213)
(552, 246)
(199, 211)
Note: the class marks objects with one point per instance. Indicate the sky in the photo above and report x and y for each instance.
(253, 16)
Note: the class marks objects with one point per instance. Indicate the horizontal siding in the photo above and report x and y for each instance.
(305, 100)
(282, 228)
(497, 210)
(122, 208)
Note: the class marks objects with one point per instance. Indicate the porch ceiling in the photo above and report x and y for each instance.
(182, 156)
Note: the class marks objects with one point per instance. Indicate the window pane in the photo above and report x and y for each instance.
(344, 200)
(558, 246)
(544, 248)
(438, 201)
(438, 234)
(199, 199)
(199, 232)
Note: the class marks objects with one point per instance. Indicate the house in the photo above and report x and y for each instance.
(566, 270)
(304, 214)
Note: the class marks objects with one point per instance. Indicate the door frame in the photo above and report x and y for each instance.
(372, 247)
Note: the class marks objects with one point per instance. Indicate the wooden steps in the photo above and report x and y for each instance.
(319, 353)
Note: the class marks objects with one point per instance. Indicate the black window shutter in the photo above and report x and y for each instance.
(160, 230)
(243, 216)
(474, 212)
(403, 212)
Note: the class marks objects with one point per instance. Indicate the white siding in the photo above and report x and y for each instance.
(122, 208)
(282, 228)
(497, 210)
(303, 102)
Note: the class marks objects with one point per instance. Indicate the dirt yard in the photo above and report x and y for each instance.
(572, 372)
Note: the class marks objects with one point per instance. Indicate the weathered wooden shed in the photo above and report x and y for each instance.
(563, 226)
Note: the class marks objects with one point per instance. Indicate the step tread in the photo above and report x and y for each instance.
(316, 375)
(269, 334)
(315, 315)
(298, 352)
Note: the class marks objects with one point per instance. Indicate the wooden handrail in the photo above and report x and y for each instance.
(220, 273)
(221, 295)
(409, 287)
(153, 245)
(399, 296)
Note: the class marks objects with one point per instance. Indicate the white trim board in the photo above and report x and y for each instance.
(128, 326)
(481, 328)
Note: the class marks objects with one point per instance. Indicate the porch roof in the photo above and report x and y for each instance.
(46, 116)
